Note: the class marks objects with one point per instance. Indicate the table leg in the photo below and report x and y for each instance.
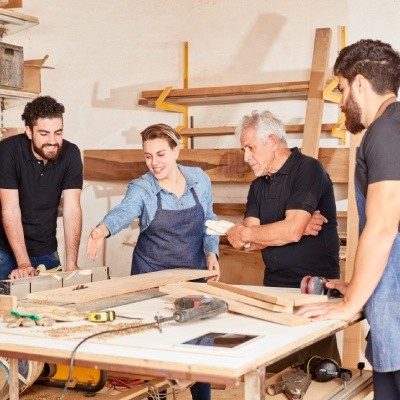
(13, 383)
(254, 387)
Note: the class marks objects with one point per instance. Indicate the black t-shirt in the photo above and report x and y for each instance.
(39, 188)
(378, 157)
(300, 184)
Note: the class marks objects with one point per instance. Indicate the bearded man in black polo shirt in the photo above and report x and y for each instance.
(290, 187)
(35, 170)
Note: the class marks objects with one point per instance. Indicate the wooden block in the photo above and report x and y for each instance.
(223, 291)
(7, 304)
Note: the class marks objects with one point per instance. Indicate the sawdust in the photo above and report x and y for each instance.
(120, 329)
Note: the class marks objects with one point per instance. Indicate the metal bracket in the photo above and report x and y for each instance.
(161, 104)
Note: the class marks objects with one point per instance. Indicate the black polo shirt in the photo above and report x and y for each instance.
(300, 184)
(40, 187)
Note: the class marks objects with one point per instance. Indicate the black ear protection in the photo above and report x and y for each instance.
(325, 369)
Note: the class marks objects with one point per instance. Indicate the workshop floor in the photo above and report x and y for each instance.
(47, 393)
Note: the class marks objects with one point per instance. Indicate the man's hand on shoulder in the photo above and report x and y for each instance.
(23, 271)
(315, 225)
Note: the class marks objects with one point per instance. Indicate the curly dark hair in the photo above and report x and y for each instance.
(41, 107)
(375, 60)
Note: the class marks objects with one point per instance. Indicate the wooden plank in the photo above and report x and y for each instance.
(244, 309)
(240, 297)
(240, 208)
(118, 286)
(228, 94)
(352, 335)
(222, 165)
(230, 130)
(15, 22)
(7, 304)
(315, 101)
(275, 295)
(217, 131)
(274, 299)
(300, 128)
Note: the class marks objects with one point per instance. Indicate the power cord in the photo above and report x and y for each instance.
(71, 363)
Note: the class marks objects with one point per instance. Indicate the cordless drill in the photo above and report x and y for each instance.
(191, 308)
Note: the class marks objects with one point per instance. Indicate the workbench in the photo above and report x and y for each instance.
(164, 353)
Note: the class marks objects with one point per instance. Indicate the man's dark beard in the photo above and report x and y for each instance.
(353, 116)
(44, 155)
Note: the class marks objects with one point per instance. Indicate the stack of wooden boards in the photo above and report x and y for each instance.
(269, 304)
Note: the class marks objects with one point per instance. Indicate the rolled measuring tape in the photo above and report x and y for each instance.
(101, 316)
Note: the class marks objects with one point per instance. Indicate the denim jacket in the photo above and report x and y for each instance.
(140, 201)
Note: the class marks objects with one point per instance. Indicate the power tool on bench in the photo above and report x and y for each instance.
(191, 308)
(317, 285)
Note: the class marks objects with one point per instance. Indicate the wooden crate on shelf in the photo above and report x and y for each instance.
(11, 66)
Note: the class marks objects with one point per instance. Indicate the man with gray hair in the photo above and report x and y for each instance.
(281, 217)
(290, 187)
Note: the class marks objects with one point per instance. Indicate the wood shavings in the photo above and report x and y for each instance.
(86, 330)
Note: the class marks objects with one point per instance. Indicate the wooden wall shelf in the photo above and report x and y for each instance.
(222, 165)
(230, 130)
(228, 94)
(14, 22)
(16, 94)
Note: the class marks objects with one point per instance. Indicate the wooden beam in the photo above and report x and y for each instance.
(352, 335)
(315, 101)
(240, 208)
(271, 295)
(118, 286)
(230, 130)
(222, 165)
(228, 94)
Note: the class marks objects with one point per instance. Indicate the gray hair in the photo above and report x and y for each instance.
(264, 123)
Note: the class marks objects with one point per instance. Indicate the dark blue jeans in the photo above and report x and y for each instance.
(8, 262)
(386, 385)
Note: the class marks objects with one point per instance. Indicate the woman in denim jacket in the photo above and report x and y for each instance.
(172, 203)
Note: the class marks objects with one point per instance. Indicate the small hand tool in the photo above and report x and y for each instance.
(101, 316)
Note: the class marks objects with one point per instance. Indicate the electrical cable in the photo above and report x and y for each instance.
(71, 364)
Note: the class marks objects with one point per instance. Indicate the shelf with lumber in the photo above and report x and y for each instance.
(228, 94)
(230, 130)
(12, 21)
(221, 165)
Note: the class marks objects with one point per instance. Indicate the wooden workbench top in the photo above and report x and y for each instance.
(163, 353)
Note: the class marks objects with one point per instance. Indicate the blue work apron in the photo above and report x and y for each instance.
(174, 239)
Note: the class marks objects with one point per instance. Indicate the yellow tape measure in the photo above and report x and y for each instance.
(101, 316)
